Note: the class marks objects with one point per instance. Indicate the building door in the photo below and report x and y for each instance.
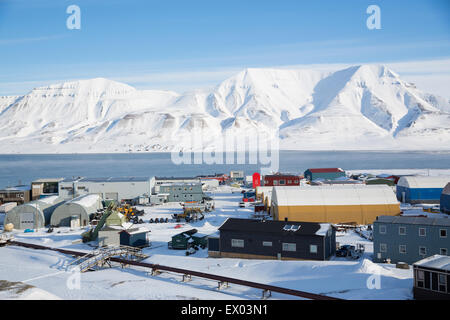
(112, 196)
(26, 220)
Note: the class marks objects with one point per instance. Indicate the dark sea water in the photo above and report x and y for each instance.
(15, 169)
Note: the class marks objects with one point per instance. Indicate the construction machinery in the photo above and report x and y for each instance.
(131, 213)
(189, 214)
(92, 234)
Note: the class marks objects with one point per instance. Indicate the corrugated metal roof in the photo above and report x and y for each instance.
(423, 181)
(436, 262)
(415, 220)
(333, 195)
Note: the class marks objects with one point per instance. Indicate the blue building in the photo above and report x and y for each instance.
(409, 239)
(324, 173)
(445, 199)
(421, 189)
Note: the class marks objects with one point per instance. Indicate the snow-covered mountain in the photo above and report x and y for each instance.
(362, 107)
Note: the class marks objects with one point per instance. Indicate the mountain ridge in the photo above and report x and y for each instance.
(362, 107)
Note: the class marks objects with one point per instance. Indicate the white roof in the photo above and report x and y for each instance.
(437, 262)
(86, 200)
(423, 181)
(324, 227)
(262, 189)
(49, 200)
(333, 195)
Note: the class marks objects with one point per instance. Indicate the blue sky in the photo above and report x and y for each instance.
(178, 45)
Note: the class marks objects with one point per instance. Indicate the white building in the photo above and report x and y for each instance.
(124, 188)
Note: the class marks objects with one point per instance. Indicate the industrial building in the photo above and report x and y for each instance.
(409, 239)
(118, 189)
(347, 204)
(421, 189)
(45, 187)
(33, 215)
(19, 194)
(281, 180)
(76, 212)
(324, 173)
(237, 176)
(156, 182)
(182, 192)
(432, 278)
(445, 199)
(266, 239)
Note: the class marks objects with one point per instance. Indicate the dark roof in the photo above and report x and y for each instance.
(321, 170)
(280, 175)
(269, 226)
(414, 220)
(177, 178)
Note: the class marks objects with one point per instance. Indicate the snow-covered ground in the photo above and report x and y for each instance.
(43, 274)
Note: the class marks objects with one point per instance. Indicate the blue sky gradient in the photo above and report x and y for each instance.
(197, 42)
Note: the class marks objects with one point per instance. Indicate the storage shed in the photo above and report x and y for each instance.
(356, 204)
(445, 199)
(136, 237)
(33, 215)
(81, 207)
(421, 189)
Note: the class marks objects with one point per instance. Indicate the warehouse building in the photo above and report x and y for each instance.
(76, 212)
(324, 173)
(445, 199)
(421, 189)
(19, 194)
(347, 204)
(45, 187)
(409, 239)
(33, 215)
(281, 180)
(182, 192)
(118, 189)
(432, 278)
(266, 239)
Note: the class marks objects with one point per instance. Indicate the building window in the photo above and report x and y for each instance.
(383, 247)
(382, 229)
(422, 251)
(402, 248)
(443, 251)
(289, 181)
(442, 280)
(313, 248)
(402, 231)
(282, 182)
(275, 182)
(267, 243)
(422, 232)
(237, 243)
(420, 278)
(296, 181)
(289, 247)
(443, 233)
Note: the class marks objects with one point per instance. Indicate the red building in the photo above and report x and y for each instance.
(281, 180)
(218, 176)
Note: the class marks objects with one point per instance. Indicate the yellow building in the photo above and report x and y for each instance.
(357, 204)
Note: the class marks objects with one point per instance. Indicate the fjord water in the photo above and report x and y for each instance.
(22, 169)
